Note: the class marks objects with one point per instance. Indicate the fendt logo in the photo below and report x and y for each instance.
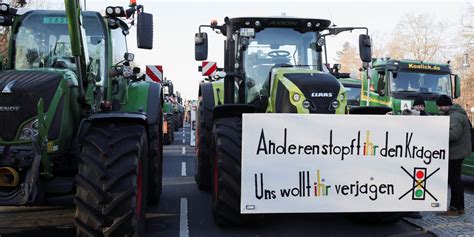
(9, 108)
(321, 94)
(8, 87)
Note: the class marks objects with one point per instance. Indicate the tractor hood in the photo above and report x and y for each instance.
(20, 92)
(307, 91)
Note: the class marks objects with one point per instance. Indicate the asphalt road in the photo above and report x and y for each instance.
(185, 211)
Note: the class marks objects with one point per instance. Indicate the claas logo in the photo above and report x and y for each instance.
(419, 183)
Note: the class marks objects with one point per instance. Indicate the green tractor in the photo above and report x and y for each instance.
(168, 113)
(352, 85)
(272, 65)
(179, 101)
(396, 83)
(75, 120)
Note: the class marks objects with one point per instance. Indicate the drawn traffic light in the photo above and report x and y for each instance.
(419, 183)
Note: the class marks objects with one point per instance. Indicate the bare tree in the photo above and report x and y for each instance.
(419, 37)
(465, 42)
(348, 58)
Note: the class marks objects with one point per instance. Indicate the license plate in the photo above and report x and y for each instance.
(247, 32)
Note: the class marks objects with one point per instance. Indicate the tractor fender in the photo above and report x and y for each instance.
(232, 110)
(154, 102)
(206, 94)
(144, 97)
(139, 118)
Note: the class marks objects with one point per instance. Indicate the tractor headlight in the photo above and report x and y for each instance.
(109, 10)
(296, 97)
(341, 97)
(29, 130)
(335, 104)
(306, 104)
(4, 7)
(117, 10)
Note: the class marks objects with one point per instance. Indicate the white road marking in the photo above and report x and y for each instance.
(184, 134)
(183, 218)
(183, 168)
(184, 150)
(184, 140)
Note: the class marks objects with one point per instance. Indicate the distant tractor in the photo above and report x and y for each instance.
(352, 85)
(74, 119)
(168, 113)
(396, 83)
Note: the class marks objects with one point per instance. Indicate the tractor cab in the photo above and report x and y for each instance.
(42, 40)
(277, 64)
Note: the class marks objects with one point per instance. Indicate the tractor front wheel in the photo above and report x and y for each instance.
(112, 180)
(203, 150)
(155, 165)
(226, 182)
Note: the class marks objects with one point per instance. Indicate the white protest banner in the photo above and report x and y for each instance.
(344, 163)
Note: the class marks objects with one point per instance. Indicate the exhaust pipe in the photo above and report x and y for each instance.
(9, 177)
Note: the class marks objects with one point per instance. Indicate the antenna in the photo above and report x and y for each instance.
(332, 20)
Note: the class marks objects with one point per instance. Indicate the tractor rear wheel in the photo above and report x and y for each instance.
(226, 182)
(176, 122)
(203, 150)
(169, 137)
(112, 180)
(155, 164)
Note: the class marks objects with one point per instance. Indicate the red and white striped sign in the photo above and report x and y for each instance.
(154, 73)
(209, 68)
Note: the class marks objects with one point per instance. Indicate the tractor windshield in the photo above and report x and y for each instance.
(420, 83)
(42, 41)
(275, 47)
(353, 94)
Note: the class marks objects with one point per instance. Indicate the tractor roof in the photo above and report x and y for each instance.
(23, 11)
(416, 65)
(303, 24)
(350, 81)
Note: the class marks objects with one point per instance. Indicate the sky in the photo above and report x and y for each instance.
(176, 22)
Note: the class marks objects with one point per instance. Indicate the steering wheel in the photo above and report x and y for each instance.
(278, 53)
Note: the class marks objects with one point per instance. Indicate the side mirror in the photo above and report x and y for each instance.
(457, 86)
(129, 56)
(365, 48)
(145, 31)
(200, 46)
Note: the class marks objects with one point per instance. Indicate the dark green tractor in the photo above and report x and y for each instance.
(271, 65)
(168, 113)
(75, 121)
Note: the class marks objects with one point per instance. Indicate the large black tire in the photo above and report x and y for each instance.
(203, 148)
(111, 181)
(155, 165)
(176, 122)
(376, 218)
(169, 137)
(181, 119)
(226, 183)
